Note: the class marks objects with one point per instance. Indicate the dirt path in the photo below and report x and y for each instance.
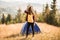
(48, 32)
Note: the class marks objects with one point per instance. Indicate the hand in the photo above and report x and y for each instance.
(25, 11)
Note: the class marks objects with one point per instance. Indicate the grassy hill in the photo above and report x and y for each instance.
(12, 32)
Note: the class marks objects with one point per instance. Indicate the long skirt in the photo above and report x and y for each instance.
(24, 29)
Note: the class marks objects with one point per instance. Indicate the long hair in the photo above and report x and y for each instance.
(29, 10)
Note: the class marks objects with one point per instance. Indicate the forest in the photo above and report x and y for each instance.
(49, 16)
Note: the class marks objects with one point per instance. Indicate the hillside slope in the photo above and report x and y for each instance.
(12, 32)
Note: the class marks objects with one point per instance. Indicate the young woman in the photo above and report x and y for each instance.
(30, 20)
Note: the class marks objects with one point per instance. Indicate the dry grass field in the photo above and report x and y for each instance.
(12, 32)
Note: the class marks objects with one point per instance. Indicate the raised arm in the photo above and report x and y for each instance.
(26, 11)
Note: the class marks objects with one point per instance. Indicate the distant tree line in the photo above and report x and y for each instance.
(50, 15)
(47, 16)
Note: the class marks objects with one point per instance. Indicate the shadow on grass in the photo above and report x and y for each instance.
(12, 36)
(25, 39)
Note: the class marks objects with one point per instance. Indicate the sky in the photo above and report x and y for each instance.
(34, 1)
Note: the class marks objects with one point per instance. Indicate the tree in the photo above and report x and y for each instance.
(46, 13)
(3, 19)
(18, 16)
(52, 14)
(8, 19)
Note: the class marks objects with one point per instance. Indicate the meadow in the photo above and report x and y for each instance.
(12, 32)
